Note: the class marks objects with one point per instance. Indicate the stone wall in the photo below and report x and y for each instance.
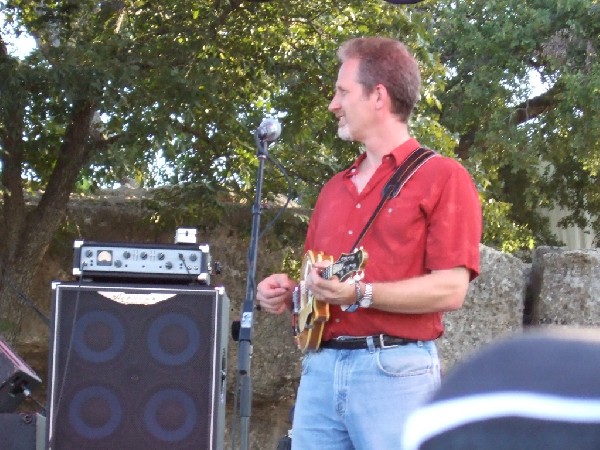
(493, 307)
(559, 288)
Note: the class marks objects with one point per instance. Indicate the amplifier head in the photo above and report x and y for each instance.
(165, 262)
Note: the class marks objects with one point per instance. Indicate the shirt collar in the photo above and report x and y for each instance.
(401, 152)
(398, 155)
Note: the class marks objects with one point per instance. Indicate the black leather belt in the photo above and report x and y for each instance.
(356, 343)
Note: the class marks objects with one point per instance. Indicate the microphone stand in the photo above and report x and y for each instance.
(245, 333)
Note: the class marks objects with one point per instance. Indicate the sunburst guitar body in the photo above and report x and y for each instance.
(309, 313)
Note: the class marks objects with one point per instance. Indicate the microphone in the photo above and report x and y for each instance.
(269, 130)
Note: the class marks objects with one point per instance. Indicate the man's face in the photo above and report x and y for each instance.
(350, 105)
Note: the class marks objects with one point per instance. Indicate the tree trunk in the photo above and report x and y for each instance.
(26, 241)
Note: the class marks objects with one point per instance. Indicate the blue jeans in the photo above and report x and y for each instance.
(359, 399)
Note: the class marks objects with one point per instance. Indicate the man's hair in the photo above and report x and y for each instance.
(387, 62)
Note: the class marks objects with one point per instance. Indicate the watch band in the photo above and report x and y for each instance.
(366, 299)
(354, 306)
(362, 300)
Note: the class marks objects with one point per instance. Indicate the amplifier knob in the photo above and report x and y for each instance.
(169, 265)
(143, 255)
(118, 263)
(193, 257)
(161, 256)
(89, 253)
(126, 254)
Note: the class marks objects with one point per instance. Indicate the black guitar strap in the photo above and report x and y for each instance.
(392, 188)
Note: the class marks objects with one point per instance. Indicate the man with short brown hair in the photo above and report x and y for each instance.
(378, 360)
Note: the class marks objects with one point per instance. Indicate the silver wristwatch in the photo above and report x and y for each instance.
(367, 298)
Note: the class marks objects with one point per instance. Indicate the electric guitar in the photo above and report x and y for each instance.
(309, 313)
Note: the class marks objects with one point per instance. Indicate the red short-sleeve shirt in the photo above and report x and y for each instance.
(433, 224)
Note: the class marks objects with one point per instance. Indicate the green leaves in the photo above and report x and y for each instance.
(194, 85)
(179, 87)
(531, 142)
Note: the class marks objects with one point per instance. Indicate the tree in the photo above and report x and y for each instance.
(530, 146)
(169, 92)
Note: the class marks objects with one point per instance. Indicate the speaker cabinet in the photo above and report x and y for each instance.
(137, 367)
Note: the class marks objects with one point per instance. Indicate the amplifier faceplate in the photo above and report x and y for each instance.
(96, 260)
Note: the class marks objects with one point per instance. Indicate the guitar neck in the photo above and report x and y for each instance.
(345, 266)
(328, 273)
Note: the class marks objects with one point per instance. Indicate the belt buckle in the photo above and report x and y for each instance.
(382, 343)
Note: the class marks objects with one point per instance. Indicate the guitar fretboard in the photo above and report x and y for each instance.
(346, 265)
(327, 273)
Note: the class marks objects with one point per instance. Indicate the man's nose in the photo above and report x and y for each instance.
(333, 104)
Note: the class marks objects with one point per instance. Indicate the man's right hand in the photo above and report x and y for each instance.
(274, 293)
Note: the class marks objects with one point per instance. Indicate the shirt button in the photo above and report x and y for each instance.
(350, 232)
(358, 205)
(337, 320)
(390, 210)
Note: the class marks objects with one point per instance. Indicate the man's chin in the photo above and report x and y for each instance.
(344, 134)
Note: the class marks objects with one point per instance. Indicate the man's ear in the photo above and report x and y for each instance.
(382, 97)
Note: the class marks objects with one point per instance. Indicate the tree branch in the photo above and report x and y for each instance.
(74, 154)
(536, 106)
(522, 113)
